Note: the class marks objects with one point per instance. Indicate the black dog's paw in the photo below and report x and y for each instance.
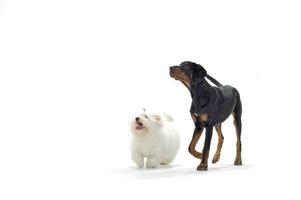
(202, 167)
(215, 159)
(237, 162)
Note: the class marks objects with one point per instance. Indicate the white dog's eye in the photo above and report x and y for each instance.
(145, 116)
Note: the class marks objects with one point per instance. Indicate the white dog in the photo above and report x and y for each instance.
(155, 139)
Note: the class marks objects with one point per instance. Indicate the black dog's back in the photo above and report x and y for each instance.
(228, 102)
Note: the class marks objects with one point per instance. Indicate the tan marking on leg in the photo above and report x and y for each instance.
(238, 144)
(217, 154)
(194, 141)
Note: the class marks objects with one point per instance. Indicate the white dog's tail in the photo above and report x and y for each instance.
(167, 117)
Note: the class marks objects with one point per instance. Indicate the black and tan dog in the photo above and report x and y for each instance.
(210, 107)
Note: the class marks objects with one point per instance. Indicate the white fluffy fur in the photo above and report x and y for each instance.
(158, 141)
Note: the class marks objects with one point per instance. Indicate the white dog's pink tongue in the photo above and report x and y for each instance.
(139, 127)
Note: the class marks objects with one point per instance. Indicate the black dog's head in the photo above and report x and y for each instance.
(188, 73)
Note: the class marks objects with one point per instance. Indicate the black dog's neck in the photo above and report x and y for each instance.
(199, 87)
(201, 94)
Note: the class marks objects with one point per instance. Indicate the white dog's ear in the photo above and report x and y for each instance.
(168, 117)
(144, 110)
(157, 118)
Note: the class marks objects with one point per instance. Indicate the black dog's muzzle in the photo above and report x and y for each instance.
(171, 70)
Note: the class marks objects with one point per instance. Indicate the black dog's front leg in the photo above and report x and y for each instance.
(203, 166)
(195, 138)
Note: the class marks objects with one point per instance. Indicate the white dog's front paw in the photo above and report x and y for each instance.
(138, 159)
(152, 162)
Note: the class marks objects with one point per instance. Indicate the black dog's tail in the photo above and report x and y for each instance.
(214, 81)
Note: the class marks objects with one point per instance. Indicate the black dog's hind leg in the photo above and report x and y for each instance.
(203, 166)
(237, 123)
(217, 154)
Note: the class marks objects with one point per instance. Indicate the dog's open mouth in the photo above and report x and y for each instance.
(139, 126)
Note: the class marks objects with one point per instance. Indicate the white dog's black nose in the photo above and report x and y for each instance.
(137, 119)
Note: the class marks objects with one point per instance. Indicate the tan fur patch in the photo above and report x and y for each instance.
(181, 76)
(204, 117)
(238, 144)
(194, 141)
(217, 154)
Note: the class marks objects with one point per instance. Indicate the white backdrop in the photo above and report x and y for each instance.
(72, 72)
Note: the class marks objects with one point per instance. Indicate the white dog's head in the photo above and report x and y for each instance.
(145, 123)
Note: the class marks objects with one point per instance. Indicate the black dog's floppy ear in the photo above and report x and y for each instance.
(200, 70)
(198, 73)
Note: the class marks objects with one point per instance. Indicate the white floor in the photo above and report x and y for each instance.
(222, 181)
(174, 171)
